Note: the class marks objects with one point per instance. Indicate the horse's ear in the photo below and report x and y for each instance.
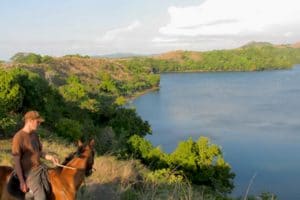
(79, 143)
(92, 142)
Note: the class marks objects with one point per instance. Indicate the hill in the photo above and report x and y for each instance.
(84, 97)
(296, 45)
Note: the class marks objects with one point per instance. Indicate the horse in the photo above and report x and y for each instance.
(64, 180)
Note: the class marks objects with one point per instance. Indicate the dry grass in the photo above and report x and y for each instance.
(115, 179)
(5, 155)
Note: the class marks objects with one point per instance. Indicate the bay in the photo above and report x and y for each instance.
(253, 116)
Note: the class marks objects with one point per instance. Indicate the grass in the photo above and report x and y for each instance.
(116, 179)
(113, 178)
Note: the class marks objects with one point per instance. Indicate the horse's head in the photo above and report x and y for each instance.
(87, 152)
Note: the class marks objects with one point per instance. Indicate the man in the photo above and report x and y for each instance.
(27, 151)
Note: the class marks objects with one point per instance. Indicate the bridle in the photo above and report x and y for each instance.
(90, 162)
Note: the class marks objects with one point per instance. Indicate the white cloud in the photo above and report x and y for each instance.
(160, 39)
(115, 33)
(232, 18)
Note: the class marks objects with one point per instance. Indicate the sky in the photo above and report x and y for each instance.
(98, 27)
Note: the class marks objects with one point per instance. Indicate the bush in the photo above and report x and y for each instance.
(73, 91)
(203, 164)
(27, 58)
(200, 162)
(69, 129)
(11, 93)
(126, 123)
(34, 87)
(142, 149)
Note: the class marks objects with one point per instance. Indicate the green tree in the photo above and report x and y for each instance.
(35, 89)
(27, 58)
(11, 93)
(107, 84)
(126, 122)
(203, 163)
(73, 91)
(69, 128)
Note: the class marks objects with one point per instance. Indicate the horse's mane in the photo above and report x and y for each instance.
(72, 155)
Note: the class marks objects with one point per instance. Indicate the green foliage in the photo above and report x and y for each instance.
(120, 101)
(27, 58)
(267, 196)
(8, 124)
(69, 129)
(73, 91)
(47, 59)
(248, 58)
(126, 123)
(201, 162)
(142, 149)
(76, 56)
(11, 93)
(107, 85)
(35, 89)
(165, 175)
(31, 58)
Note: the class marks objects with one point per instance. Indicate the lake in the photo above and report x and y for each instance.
(253, 116)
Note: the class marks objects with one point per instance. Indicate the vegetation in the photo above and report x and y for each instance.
(83, 97)
(253, 57)
(200, 162)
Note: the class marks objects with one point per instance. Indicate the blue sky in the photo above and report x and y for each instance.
(96, 27)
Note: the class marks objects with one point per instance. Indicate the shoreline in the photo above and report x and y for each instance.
(138, 94)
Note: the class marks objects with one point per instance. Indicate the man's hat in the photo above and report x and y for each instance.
(33, 115)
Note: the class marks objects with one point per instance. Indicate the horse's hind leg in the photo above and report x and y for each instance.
(5, 171)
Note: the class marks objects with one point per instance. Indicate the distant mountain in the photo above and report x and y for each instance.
(118, 55)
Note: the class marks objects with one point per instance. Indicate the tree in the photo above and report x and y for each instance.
(73, 91)
(11, 93)
(126, 123)
(27, 58)
(203, 163)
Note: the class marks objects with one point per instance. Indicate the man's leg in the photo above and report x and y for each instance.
(34, 183)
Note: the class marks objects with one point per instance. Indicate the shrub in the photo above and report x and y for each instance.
(27, 58)
(11, 93)
(200, 162)
(34, 87)
(203, 163)
(126, 122)
(73, 91)
(69, 129)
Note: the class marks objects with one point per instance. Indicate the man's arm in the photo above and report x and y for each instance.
(50, 157)
(19, 172)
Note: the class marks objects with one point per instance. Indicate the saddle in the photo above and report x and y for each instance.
(13, 188)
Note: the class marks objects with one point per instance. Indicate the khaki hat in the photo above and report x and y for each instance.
(33, 115)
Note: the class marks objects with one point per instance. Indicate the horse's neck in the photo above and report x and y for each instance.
(75, 176)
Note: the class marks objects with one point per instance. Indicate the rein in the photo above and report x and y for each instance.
(67, 167)
(64, 166)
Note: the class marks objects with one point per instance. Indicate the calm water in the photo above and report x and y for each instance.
(254, 116)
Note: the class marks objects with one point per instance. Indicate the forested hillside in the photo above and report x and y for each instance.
(82, 97)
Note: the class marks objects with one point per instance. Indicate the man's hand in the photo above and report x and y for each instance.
(23, 187)
(54, 160)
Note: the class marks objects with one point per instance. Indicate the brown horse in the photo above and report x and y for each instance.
(64, 181)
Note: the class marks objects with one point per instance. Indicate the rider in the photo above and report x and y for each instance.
(27, 151)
